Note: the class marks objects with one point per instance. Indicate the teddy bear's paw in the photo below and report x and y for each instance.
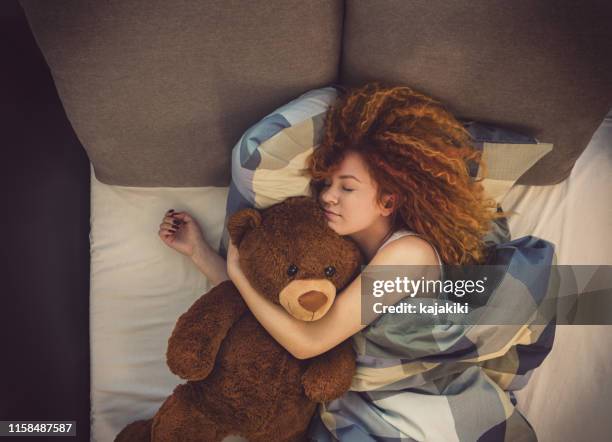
(179, 419)
(191, 362)
(136, 432)
(320, 388)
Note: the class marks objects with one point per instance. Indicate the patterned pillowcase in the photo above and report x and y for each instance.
(507, 155)
(269, 160)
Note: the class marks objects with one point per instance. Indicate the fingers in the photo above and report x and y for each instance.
(167, 230)
(181, 216)
(169, 225)
(172, 219)
(165, 234)
(172, 222)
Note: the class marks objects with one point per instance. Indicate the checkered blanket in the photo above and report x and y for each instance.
(449, 382)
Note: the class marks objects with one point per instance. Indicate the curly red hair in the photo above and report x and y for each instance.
(415, 149)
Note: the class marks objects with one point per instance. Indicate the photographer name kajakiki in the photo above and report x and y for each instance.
(423, 308)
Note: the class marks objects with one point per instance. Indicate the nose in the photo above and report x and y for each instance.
(328, 197)
(312, 300)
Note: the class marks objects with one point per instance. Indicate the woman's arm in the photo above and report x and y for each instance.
(180, 231)
(210, 263)
(308, 339)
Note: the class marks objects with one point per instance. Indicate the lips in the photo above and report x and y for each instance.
(330, 213)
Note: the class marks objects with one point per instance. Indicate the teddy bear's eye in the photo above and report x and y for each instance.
(292, 270)
(330, 271)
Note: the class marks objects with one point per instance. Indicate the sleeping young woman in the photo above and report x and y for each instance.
(392, 174)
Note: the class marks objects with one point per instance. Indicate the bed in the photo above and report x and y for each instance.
(157, 93)
(136, 299)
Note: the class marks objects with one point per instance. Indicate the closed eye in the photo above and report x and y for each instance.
(347, 190)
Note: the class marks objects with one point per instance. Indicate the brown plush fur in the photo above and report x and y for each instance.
(240, 380)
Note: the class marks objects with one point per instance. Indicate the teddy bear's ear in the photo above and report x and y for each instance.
(241, 222)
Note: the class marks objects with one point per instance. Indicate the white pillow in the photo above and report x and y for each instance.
(138, 289)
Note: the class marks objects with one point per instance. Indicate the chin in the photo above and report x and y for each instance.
(332, 226)
(336, 229)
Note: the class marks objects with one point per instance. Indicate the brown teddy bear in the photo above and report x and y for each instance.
(240, 380)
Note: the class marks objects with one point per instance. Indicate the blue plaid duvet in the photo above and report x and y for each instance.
(447, 382)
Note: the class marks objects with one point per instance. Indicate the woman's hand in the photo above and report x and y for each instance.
(233, 262)
(181, 232)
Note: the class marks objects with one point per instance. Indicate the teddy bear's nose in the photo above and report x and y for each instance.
(312, 300)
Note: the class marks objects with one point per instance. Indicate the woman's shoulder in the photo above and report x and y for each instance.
(406, 249)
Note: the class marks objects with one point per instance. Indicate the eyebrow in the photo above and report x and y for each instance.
(349, 176)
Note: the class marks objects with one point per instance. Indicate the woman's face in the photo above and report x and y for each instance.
(349, 197)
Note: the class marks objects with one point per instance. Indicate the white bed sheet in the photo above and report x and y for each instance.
(139, 287)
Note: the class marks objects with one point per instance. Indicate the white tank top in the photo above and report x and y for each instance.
(403, 232)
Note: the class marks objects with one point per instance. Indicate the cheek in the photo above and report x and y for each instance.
(361, 212)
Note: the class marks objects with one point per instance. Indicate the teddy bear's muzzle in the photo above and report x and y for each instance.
(308, 299)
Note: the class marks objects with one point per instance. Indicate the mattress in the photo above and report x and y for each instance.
(568, 396)
(139, 287)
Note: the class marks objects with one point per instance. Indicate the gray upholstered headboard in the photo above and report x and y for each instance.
(158, 91)
(543, 67)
